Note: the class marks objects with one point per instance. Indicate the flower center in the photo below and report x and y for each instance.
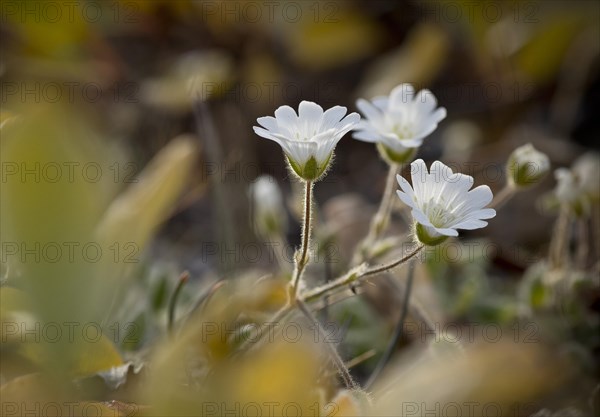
(438, 213)
(403, 130)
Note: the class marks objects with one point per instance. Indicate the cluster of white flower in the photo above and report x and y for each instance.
(440, 200)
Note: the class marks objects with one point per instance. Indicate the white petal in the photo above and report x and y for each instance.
(462, 183)
(440, 172)
(470, 224)
(401, 95)
(418, 172)
(381, 102)
(269, 123)
(300, 151)
(420, 217)
(425, 131)
(480, 197)
(486, 213)
(348, 123)
(333, 116)
(406, 198)
(265, 133)
(404, 185)
(368, 109)
(437, 116)
(446, 231)
(411, 143)
(366, 136)
(275, 138)
(286, 117)
(425, 101)
(309, 111)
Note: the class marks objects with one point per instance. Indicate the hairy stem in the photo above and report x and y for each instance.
(398, 331)
(302, 259)
(380, 221)
(560, 239)
(356, 275)
(583, 247)
(333, 353)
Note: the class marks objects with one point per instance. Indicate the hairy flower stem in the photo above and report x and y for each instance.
(381, 218)
(503, 196)
(333, 353)
(355, 275)
(398, 331)
(583, 248)
(558, 252)
(302, 259)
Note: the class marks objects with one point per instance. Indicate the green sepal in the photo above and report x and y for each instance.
(393, 157)
(311, 171)
(425, 238)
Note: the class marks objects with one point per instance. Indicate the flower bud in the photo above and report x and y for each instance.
(526, 166)
(267, 201)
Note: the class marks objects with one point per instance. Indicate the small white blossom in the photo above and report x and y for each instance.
(267, 204)
(398, 124)
(587, 168)
(580, 185)
(568, 188)
(441, 202)
(309, 137)
(526, 166)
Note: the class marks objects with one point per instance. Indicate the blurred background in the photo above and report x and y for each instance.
(131, 76)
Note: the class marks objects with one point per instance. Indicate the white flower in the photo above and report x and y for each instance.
(526, 166)
(309, 137)
(579, 186)
(441, 202)
(267, 203)
(587, 168)
(399, 123)
(568, 187)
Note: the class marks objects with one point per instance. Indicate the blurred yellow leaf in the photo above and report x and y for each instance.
(135, 214)
(330, 35)
(541, 58)
(49, 29)
(34, 394)
(447, 381)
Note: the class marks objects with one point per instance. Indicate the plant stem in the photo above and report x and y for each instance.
(183, 279)
(302, 260)
(354, 276)
(558, 252)
(398, 331)
(333, 353)
(503, 196)
(279, 315)
(583, 248)
(381, 218)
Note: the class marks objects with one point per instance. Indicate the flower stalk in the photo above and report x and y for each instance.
(399, 329)
(503, 196)
(380, 220)
(302, 257)
(333, 353)
(355, 275)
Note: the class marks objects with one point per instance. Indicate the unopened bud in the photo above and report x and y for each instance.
(526, 166)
